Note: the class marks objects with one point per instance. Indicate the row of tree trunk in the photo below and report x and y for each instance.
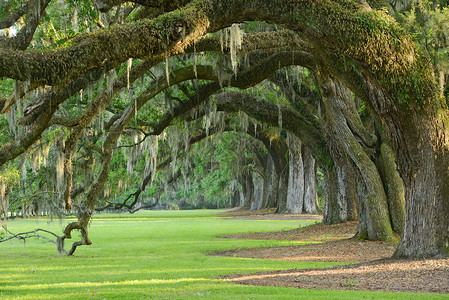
(289, 185)
(361, 180)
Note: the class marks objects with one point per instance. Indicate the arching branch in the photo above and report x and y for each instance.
(172, 32)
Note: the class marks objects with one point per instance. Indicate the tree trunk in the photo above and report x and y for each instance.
(302, 188)
(394, 187)
(258, 193)
(426, 187)
(336, 98)
(295, 195)
(248, 190)
(272, 185)
(235, 199)
(310, 188)
(282, 191)
(340, 190)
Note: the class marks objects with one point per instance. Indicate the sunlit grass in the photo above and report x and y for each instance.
(151, 254)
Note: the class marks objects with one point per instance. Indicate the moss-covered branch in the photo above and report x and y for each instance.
(172, 31)
(164, 5)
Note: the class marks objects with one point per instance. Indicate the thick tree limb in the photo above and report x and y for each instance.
(165, 6)
(334, 31)
(113, 46)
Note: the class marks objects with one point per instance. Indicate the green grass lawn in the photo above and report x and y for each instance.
(152, 254)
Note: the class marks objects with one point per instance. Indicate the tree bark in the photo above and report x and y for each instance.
(426, 227)
(296, 182)
(340, 192)
(336, 97)
(394, 187)
(272, 185)
(259, 192)
(282, 191)
(248, 190)
(310, 186)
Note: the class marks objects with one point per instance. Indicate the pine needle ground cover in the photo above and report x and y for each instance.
(153, 255)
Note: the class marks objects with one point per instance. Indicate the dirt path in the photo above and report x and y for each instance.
(424, 276)
(373, 270)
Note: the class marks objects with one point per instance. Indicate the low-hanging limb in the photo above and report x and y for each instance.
(135, 196)
(22, 236)
(57, 95)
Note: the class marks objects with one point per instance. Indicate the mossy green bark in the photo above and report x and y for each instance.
(394, 187)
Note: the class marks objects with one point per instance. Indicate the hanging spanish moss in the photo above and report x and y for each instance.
(128, 69)
(132, 153)
(256, 124)
(243, 121)
(4, 203)
(279, 116)
(111, 76)
(232, 40)
(167, 73)
(186, 137)
(89, 92)
(59, 167)
(173, 138)
(211, 117)
(222, 69)
(36, 160)
(12, 120)
(151, 162)
(45, 150)
(74, 19)
(168, 101)
(207, 123)
(107, 191)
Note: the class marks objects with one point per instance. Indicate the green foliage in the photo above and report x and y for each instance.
(63, 21)
(5, 135)
(428, 22)
(10, 176)
(8, 6)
